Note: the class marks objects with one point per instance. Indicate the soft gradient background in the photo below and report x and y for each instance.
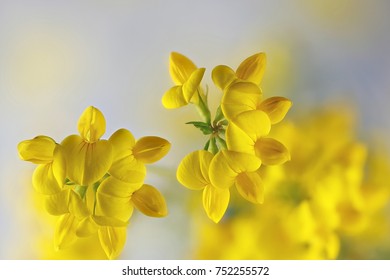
(58, 57)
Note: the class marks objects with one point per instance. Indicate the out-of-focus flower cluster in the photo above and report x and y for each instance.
(238, 136)
(93, 184)
(329, 202)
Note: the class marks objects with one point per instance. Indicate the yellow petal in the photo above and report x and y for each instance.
(215, 202)
(276, 108)
(271, 151)
(65, 232)
(192, 84)
(122, 142)
(226, 165)
(150, 149)
(128, 170)
(250, 187)
(86, 227)
(174, 98)
(150, 201)
(44, 181)
(223, 76)
(109, 221)
(193, 170)
(180, 68)
(240, 97)
(59, 165)
(113, 198)
(39, 150)
(255, 124)
(252, 69)
(87, 162)
(57, 204)
(237, 140)
(112, 240)
(91, 125)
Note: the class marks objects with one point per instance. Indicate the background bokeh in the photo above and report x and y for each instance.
(58, 57)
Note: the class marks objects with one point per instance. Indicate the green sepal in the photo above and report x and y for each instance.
(206, 146)
(218, 115)
(213, 146)
(221, 142)
(204, 109)
(204, 127)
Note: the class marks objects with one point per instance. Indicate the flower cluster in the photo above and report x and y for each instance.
(238, 136)
(336, 208)
(92, 184)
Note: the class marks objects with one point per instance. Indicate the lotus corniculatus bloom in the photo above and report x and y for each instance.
(93, 184)
(238, 143)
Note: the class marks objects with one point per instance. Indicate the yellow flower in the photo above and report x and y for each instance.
(49, 176)
(93, 184)
(251, 70)
(130, 156)
(88, 157)
(248, 135)
(242, 97)
(193, 173)
(187, 78)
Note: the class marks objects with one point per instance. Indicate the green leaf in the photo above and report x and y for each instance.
(218, 115)
(204, 127)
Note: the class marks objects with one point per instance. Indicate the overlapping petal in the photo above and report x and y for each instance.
(149, 201)
(193, 170)
(112, 240)
(114, 198)
(39, 150)
(87, 162)
(174, 98)
(240, 97)
(180, 68)
(223, 76)
(227, 165)
(91, 124)
(65, 232)
(215, 202)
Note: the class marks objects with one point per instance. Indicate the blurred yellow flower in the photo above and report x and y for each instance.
(323, 205)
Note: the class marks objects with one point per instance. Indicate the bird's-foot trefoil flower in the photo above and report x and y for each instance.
(237, 137)
(93, 184)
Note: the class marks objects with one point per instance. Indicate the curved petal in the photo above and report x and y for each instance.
(240, 97)
(252, 69)
(250, 186)
(109, 221)
(271, 151)
(86, 227)
(150, 201)
(122, 142)
(192, 84)
(223, 76)
(59, 165)
(174, 98)
(91, 124)
(276, 108)
(255, 124)
(238, 141)
(57, 204)
(39, 150)
(65, 231)
(87, 162)
(150, 149)
(180, 68)
(112, 240)
(193, 170)
(44, 181)
(226, 165)
(215, 202)
(117, 188)
(128, 170)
